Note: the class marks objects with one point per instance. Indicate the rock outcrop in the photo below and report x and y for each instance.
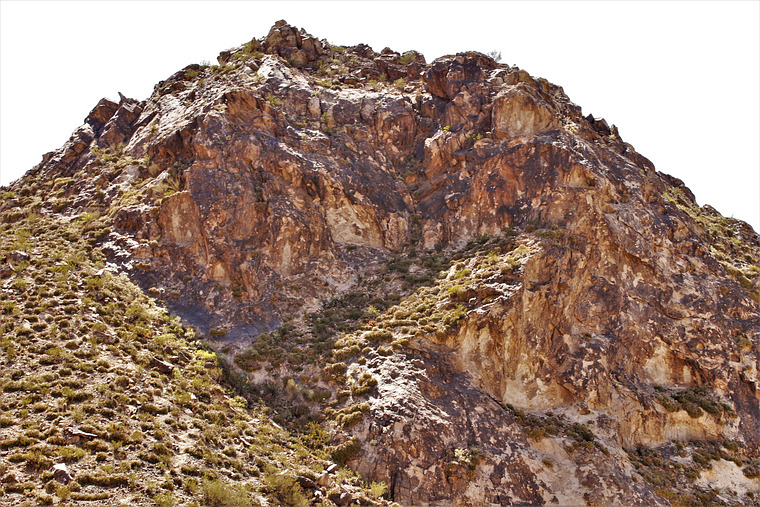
(600, 311)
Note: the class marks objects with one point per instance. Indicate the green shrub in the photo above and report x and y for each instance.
(580, 432)
(102, 479)
(364, 385)
(668, 403)
(752, 470)
(220, 493)
(407, 58)
(378, 335)
(743, 342)
(335, 371)
(286, 489)
(89, 497)
(344, 452)
(71, 453)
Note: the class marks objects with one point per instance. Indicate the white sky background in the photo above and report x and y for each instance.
(681, 80)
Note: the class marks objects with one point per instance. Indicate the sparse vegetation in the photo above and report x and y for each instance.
(728, 244)
(407, 58)
(98, 375)
(91, 347)
(673, 468)
(695, 401)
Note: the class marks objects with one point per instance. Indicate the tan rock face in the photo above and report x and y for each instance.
(437, 441)
(260, 188)
(518, 111)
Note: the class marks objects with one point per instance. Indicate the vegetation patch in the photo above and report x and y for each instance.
(695, 401)
(729, 240)
(84, 377)
(673, 468)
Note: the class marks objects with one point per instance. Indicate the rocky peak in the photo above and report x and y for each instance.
(496, 283)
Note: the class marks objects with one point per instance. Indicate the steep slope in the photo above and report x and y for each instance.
(100, 380)
(486, 296)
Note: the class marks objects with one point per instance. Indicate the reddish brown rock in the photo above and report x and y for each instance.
(162, 366)
(261, 189)
(6, 270)
(448, 75)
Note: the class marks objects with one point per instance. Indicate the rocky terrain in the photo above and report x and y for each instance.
(321, 274)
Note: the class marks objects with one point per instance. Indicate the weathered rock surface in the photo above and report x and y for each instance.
(61, 473)
(256, 189)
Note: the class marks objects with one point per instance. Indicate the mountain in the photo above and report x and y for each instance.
(441, 276)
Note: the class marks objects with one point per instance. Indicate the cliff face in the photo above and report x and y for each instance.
(513, 305)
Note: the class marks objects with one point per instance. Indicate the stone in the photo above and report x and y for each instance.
(17, 256)
(76, 436)
(280, 188)
(449, 74)
(296, 46)
(324, 479)
(104, 337)
(162, 366)
(101, 113)
(305, 482)
(120, 126)
(61, 473)
(183, 357)
(600, 125)
(6, 270)
(345, 498)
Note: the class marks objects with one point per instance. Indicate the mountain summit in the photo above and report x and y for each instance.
(441, 276)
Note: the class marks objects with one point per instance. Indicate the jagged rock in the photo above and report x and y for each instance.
(296, 46)
(599, 124)
(101, 113)
(519, 110)
(448, 75)
(119, 127)
(293, 173)
(183, 357)
(106, 338)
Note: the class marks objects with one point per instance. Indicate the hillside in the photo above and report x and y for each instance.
(441, 275)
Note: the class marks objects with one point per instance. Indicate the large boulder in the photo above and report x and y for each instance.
(449, 74)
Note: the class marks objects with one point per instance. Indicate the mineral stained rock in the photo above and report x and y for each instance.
(607, 318)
